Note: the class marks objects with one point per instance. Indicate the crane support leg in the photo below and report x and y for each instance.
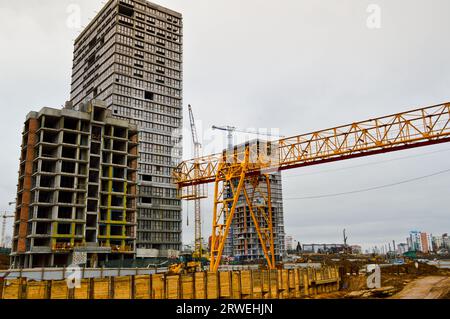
(229, 184)
(261, 213)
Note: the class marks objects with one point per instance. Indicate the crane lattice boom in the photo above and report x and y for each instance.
(425, 126)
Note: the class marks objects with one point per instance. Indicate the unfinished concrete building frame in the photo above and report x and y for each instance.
(77, 188)
(130, 56)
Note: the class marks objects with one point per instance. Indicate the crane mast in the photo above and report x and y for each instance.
(198, 251)
(242, 169)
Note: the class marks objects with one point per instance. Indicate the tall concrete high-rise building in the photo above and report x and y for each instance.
(130, 56)
(76, 196)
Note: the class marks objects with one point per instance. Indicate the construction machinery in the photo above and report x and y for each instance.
(239, 171)
(187, 265)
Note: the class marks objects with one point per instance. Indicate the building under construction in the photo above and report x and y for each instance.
(130, 56)
(77, 188)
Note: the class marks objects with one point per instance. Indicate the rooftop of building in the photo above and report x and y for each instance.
(148, 3)
(83, 114)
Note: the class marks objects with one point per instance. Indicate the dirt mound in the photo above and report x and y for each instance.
(410, 268)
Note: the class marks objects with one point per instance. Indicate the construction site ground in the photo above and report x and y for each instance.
(397, 282)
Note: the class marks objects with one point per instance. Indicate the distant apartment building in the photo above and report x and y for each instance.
(323, 248)
(446, 241)
(426, 243)
(243, 242)
(289, 243)
(130, 56)
(414, 241)
(440, 242)
(77, 188)
(419, 241)
(402, 248)
(437, 243)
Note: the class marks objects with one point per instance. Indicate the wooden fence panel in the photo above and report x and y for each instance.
(246, 284)
(142, 287)
(158, 286)
(225, 281)
(84, 291)
(236, 285)
(200, 285)
(265, 284)
(59, 290)
(122, 288)
(12, 289)
(101, 288)
(212, 285)
(187, 287)
(36, 290)
(173, 287)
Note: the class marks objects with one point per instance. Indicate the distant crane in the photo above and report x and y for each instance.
(232, 129)
(4, 217)
(198, 252)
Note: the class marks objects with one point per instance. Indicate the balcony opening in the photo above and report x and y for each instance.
(149, 95)
(69, 152)
(70, 138)
(116, 230)
(68, 167)
(96, 133)
(43, 228)
(95, 148)
(67, 182)
(91, 221)
(99, 114)
(92, 205)
(64, 212)
(50, 137)
(92, 191)
(51, 122)
(44, 212)
(117, 215)
(93, 176)
(64, 229)
(90, 236)
(70, 124)
(125, 10)
(65, 197)
(45, 197)
(47, 181)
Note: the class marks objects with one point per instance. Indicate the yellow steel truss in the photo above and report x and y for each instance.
(237, 171)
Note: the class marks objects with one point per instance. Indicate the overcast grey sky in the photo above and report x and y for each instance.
(296, 65)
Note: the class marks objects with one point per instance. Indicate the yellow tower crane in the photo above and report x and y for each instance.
(240, 170)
